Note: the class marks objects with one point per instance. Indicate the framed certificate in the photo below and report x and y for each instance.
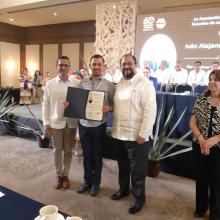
(94, 105)
(84, 104)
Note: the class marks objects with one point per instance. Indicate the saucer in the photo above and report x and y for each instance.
(59, 217)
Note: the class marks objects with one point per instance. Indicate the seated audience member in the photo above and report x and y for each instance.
(75, 75)
(196, 76)
(147, 73)
(84, 72)
(214, 66)
(163, 74)
(146, 64)
(79, 74)
(179, 75)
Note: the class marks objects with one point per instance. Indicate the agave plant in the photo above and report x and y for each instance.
(158, 150)
(5, 107)
(42, 138)
(39, 133)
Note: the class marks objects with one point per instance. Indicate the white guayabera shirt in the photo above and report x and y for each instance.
(134, 109)
(195, 78)
(179, 77)
(163, 76)
(54, 96)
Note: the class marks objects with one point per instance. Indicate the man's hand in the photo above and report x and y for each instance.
(66, 104)
(140, 140)
(48, 130)
(106, 108)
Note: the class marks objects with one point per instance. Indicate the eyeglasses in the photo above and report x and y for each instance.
(63, 65)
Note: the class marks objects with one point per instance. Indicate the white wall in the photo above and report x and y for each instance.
(50, 55)
(72, 51)
(89, 50)
(10, 64)
(11, 52)
(32, 58)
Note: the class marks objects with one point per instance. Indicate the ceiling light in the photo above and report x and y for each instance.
(11, 19)
(55, 14)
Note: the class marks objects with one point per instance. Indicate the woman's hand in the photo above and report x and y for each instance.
(203, 148)
(210, 142)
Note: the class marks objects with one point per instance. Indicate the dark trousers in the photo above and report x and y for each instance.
(92, 139)
(207, 170)
(133, 166)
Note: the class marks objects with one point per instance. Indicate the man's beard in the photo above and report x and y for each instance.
(128, 73)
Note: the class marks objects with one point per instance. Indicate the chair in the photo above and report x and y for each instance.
(200, 89)
(183, 88)
(161, 88)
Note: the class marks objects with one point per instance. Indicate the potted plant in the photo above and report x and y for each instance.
(159, 149)
(42, 138)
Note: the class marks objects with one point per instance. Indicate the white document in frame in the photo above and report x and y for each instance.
(94, 105)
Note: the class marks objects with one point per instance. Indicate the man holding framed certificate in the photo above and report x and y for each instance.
(89, 106)
(92, 130)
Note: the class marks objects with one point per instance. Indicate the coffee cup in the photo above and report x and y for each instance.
(48, 212)
(73, 218)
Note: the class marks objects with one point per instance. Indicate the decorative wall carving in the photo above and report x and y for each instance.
(115, 30)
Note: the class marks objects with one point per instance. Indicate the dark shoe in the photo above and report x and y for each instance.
(136, 207)
(94, 190)
(66, 182)
(118, 195)
(83, 188)
(198, 215)
(59, 182)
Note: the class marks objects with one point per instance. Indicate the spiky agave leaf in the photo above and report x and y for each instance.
(162, 136)
(4, 107)
(158, 123)
(24, 126)
(156, 152)
(176, 143)
(177, 152)
(36, 119)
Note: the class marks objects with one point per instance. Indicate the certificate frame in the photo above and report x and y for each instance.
(80, 105)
